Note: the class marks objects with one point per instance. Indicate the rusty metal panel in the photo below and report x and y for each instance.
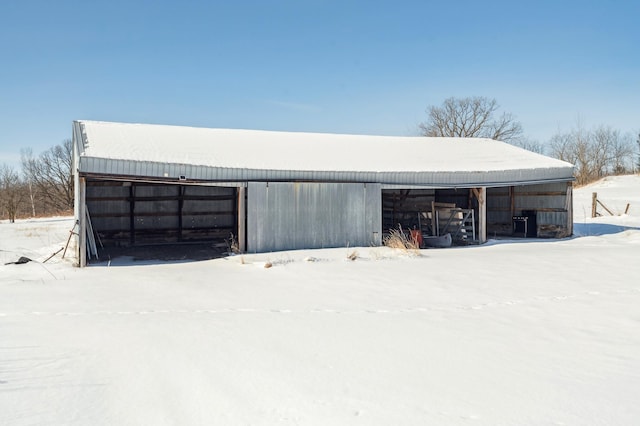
(287, 216)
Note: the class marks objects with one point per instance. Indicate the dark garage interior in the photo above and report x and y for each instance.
(147, 220)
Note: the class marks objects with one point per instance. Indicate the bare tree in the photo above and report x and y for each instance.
(473, 117)
(11, 191)
(50, 176)
(602, 142)
(530, 145)
(622, 154)
(576, 147)
(561, 147)
(601, 152)
(638, 159)
(25, 155)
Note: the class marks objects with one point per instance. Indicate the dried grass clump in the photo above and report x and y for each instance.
(353, 255)
(233, 245)
(397, 239)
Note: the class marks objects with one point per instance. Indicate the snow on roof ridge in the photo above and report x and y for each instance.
(296, 132)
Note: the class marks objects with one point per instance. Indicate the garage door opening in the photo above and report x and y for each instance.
(149, 221)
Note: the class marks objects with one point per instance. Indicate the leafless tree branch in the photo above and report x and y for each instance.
(473, 117)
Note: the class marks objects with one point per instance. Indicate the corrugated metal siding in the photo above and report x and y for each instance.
(499, 211)
(285, 216)
(155, 214)
(372, 231)
(459, 197)
(108, 207)
(101, 166)
(535, 197)
(553, 224)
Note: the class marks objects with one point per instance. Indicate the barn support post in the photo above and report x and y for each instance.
(569, 208)
(181, 190)
(512, 202)
(481, 195)
(132, 220)
(242, 222)
(82, 218)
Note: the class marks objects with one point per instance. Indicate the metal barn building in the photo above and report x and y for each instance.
(140, 185)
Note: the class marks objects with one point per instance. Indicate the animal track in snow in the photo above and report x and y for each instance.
(373, 311)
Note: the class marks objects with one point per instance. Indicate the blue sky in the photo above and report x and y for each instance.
(367, 67)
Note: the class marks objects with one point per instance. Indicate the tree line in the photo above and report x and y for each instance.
(44, 185)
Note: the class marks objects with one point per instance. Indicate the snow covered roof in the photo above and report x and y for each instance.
(239, 155)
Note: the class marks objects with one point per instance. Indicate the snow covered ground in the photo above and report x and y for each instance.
(522, 332)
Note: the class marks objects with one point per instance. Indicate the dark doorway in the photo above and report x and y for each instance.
(165, 221)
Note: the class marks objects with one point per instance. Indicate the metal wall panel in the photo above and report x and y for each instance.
(499, 211)
(373, 214)
(538, 197)
(552, 218)
(286, 216)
